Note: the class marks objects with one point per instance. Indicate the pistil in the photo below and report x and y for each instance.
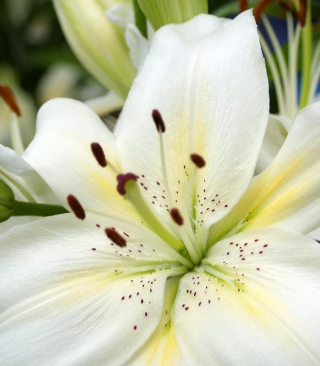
(128, 187)
(158, 120)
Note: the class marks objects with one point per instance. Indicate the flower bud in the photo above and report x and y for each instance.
(99, 44)
(161, 12)
(6, 201)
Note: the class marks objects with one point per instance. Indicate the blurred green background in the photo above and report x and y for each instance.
(32, 47)
(38, 64)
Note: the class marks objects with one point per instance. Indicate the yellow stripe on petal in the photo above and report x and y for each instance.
(162, 347)
(287, 193)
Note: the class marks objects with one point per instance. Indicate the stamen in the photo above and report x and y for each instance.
(115, 237)
(243, 5)
(161, 128)
(196, 249)
(176, 217)
(294, 36)
(98, 153)
(259, 8)
(281, 62)
(195, 254)
(123, 179)
(16, 135)
(186, 233)
(315, 73)
(8, 96)
(302, 12)
(76, 207)
(288, 7)
(198, 160)
(158, 121)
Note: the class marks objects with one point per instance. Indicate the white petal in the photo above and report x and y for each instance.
(195, 75)
(287, 193)
(61, 154)
(26, 184)
(315, 234)
(121, 14)
(105, 104)
(229, 312)
(64, 303)
(138, 45)
(162, 347)
(274, 138)
(14, 221)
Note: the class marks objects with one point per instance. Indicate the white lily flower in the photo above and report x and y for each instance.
(10, 121)
(285, 77)
(170, 267)
(123, 16)
(99, 44)
(25, 183)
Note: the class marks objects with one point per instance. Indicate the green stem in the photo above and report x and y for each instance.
(306, 57)
(36, 209)
(140, 19)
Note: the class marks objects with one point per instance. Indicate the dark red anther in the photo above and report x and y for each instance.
(98, 154)
(176, 217)
(302, 12)
(289, 7)
(158, 121)
(9, 98)
(243, 5)
(259, 8)
(198, 160)
(122, 180)
(76, 207)
(114, 236)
